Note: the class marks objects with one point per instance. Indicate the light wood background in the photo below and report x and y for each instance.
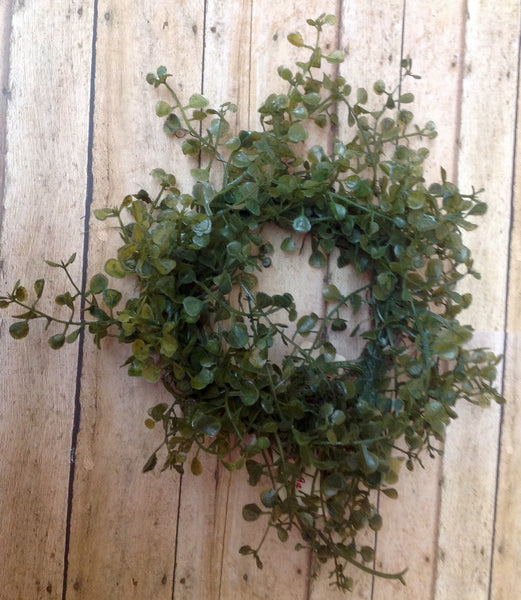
(78, 519)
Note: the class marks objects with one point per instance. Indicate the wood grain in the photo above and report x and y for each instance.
(485, 160)
(270, 25)
(435, 52)
(117, 533)
(123, 539)
(360, 24)
(506, 567)
(43, 203)
(205, 506)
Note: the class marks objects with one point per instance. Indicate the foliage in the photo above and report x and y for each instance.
(201, 326)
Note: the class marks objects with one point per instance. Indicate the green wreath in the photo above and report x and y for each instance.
(202, 326)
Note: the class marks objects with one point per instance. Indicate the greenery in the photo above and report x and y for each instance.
(200, 325)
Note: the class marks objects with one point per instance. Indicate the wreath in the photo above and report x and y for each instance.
(253, 381)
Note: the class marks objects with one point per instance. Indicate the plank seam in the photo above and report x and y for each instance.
(506, 312)
(81, 340)
(174, 571)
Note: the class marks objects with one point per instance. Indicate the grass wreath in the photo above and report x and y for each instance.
(254, 382)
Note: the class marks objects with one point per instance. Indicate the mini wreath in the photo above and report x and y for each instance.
(320, 432)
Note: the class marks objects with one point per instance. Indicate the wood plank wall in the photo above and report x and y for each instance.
(79, 521)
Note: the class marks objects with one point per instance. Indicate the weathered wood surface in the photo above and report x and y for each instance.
(78, 131)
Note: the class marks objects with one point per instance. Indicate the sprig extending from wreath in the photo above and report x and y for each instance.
(201, 326)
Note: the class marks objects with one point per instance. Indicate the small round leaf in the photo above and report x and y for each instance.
(19, 330)
(56, 341)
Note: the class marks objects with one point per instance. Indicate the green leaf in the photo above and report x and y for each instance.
(361, 96)
(196, 467)
(249, 393)
(203, 227)
(19, 330)
(333, 484)
(370, 461)
(169, 345)
(202, 379)
(208, 424)
(172, 124)
(165, 265)
(57, 341)
(20, 293)
(200, 174)
(312, 99)
(150, 464)
(425, 222)
(317, 260)
(480, 208)
(98, 283)
(285, 73)
(296, 39)
(297, 133)
(339, 325)
(193, 306)
(445, 346)
(191, 147)
(406, 98)
(367, 553)
(163, 108)
(71, 338)
(114, 268)
(390, 492)
(103, 213)
(335, 57)
(269, 498)
(435, 268)
(140, 349)
(38, 287)
(237, 336)
(233, 144)
(331, 293)
(415, 200)
(379, 87)
(301, 437)
(52, 264)
(197, 101)
(111, 297)
(251, 512)
(282, 533)
(433, 411)
(306, 324)
(65, 300)
(302, 224)
(287, 245)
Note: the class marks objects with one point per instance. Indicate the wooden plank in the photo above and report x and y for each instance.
(5, 51)
(204, 502)
(360, 24)
(270, 24)
(470, 461)
(123, 532)
(432, 38)
(42, 205)
(506, 567)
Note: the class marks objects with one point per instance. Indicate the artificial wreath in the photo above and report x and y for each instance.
(201, 325)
